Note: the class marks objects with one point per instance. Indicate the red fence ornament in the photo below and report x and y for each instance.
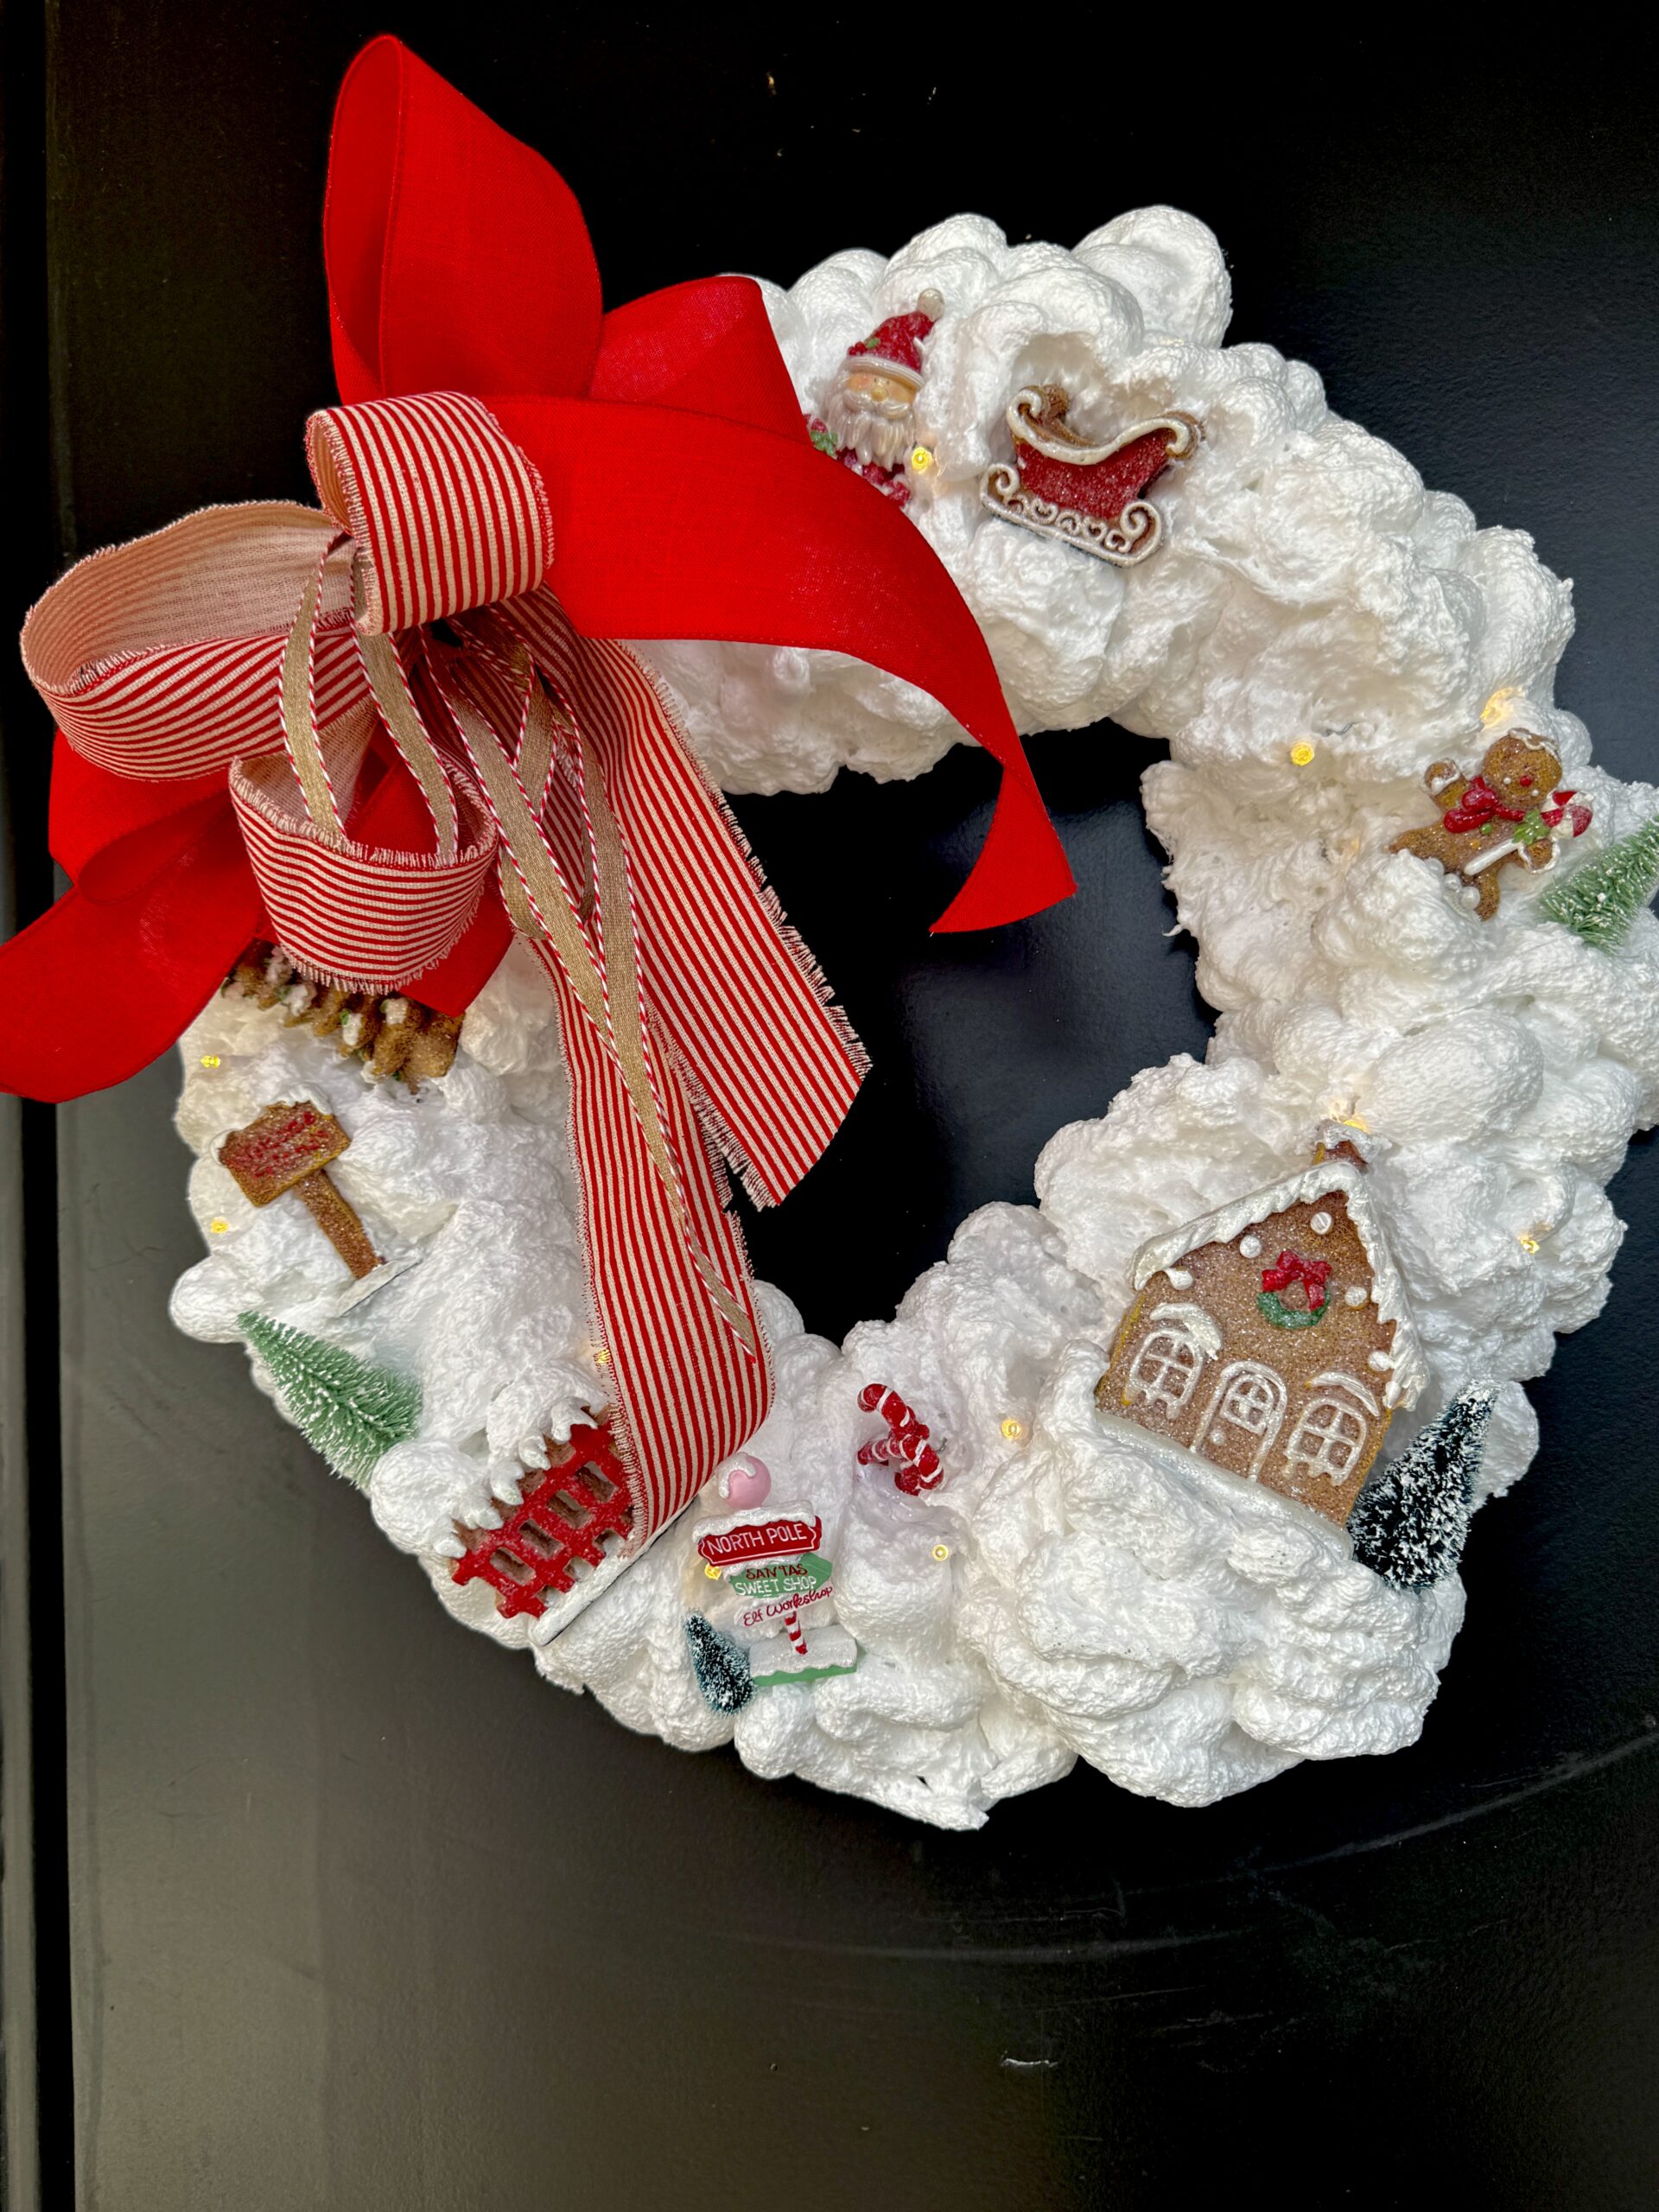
(390, 731)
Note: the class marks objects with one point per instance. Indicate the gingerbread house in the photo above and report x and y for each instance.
(1272, 1337)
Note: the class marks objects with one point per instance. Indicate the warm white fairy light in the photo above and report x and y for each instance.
(1498, 707)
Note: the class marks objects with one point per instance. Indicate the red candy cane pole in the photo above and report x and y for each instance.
(907, 1441)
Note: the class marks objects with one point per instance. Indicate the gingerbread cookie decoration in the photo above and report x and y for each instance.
(1509, 810)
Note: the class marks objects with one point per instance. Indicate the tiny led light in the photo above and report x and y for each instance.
(210, 1059)
(920, 460)
(1014, 1430)
(1498, 705)
(713, 1573)
(1302, 752)
(941, 1551)
(218, 1226)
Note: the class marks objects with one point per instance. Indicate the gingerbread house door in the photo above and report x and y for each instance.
(1244, 1416)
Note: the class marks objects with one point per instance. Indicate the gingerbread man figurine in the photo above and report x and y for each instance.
(1506, 811)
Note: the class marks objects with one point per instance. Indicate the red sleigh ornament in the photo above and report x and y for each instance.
(1061, 486)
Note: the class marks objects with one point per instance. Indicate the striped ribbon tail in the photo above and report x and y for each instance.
(276, 644)
(689, 1389)
(694, 1024)
(735, 996)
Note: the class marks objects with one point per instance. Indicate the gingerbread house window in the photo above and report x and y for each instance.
(1253, 1400)
(1329, 1439)
(1249, 1397)
(1165, 1367)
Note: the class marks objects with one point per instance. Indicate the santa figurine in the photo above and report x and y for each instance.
(868, 419)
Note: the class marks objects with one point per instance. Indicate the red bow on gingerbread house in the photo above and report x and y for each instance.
(391, 731)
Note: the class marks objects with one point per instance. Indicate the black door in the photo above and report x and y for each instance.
(333, 1905)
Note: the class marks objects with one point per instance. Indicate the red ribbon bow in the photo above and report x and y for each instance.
(1313, 1275)
(545, 479)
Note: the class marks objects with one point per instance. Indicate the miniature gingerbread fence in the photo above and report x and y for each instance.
(571, 1516)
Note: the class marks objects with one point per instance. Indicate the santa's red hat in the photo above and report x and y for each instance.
(895, 347)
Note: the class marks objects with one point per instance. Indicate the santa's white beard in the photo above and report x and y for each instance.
(876, 429)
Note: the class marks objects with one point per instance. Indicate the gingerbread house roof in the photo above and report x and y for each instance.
(1409, 1367)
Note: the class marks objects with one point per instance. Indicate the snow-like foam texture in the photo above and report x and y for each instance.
(1307, 579)
(1068, 1592)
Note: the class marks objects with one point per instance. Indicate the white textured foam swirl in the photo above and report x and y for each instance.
(1187, 1633)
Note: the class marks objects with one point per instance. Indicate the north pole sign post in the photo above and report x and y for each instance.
(774, 1572)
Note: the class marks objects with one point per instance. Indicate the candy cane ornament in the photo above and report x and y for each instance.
(918, 1465)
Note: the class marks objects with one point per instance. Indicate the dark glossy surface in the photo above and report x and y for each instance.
(361, 1913)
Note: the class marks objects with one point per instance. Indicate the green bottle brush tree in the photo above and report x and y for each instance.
(347, 1410)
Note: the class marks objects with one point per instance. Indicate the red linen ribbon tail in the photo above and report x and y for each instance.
(687, 501)
(96, 990)
(667, 524)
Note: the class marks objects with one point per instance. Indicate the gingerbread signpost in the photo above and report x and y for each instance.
(288, 1147)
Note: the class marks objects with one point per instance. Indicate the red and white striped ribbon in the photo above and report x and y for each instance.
(444, 509)
(694, 1024)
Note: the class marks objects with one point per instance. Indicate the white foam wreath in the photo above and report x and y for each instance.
(1067, 1591)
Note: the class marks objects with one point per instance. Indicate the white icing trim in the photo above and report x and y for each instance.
(1409, 1366)
(1507, 850)
(1192, 1321)
(1024, 419)
(1336, 1379)
(1123, 541)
